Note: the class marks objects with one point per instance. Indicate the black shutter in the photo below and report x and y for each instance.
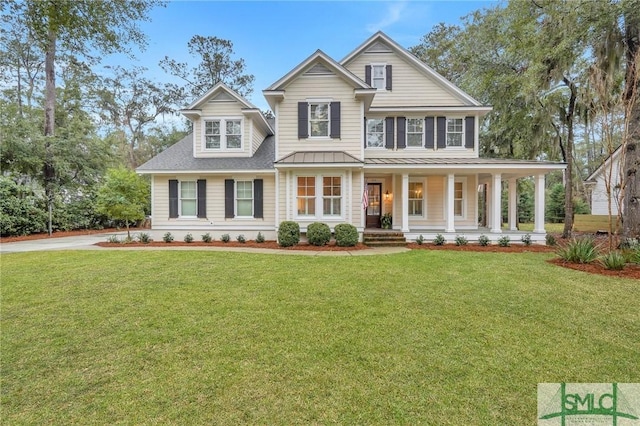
(257, 198)
(388, 84)
(334, 132)
(402, 142)
(202, 198)
(173, 198)
(367, 74)
(303, 120)
(428, 128)
(365, 132)
(389, 132)
(469, 131)
(442, 132)
(228, 198)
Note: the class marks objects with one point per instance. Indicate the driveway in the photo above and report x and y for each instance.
(62, 243)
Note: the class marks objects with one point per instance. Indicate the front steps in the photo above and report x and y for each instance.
(384, 238)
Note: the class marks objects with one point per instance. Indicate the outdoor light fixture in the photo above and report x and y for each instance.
(387, 196)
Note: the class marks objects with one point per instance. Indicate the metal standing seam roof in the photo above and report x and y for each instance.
(459, 161)
(179, 158)
(319, 157)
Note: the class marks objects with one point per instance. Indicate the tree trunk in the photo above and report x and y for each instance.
(49, 117)
(568, 189)
(631, 204)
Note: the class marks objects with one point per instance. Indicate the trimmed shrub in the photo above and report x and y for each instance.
(113, 239)
(206, 238)
(483, 240)
(188, 238)
(21, 212)
(550, 240)
(504, 241)
(260, 238)
(526, 239)
(225, 238)
(241, 239)
(144, 238)
(167, 238)
(420, 240)
(613, 260)
(461, 240)
(579, 250)
(318, 234)
(439, 240)
(288, 234)
(346, 235)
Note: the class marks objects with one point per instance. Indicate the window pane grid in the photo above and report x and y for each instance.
(319, 119)
(378, 77)
(458, 198)
(375, 133)
(188, 204)
(306, 196)
(414, 132)
(454, 132)
(244, 198)
(231, 138)
(415, 198)
(331, 202)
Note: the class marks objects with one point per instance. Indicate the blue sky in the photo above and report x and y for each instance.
(274, 37)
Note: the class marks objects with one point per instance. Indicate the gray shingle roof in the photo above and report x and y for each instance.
(179, 158)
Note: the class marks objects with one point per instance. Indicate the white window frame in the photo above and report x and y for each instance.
(407, 133)
(307, 197)
(383, 133)
(328, 119)
(463, 199)
(236, 198)
(181, 198)
(332, 197)
(462, 141)
(319, 196)
(422, 199)
(223, 133)
(384, 76)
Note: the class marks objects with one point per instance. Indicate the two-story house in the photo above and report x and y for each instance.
(378, 132)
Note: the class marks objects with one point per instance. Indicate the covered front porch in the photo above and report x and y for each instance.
(431, 199)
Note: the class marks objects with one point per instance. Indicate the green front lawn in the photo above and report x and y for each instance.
(197, 337)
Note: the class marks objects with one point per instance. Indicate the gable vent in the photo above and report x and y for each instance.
(319, 69)
(222, 97)
(378, 47)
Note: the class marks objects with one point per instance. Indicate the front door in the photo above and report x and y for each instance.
(374, 209)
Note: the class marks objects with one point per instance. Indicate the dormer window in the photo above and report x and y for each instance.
(223, 134)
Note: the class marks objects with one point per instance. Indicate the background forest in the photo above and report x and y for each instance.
(561, 77)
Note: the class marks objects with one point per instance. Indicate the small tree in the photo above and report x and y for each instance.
(123, 196)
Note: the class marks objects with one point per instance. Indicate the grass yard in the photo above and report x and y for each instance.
(196, 337)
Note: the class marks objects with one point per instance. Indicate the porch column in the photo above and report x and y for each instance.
(538, 219)
(450, 210)
(405, 202)
(363, 212)
(277, 212)
(496, 204)
(513, 204)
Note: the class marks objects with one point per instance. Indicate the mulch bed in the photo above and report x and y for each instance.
(629, 271)
(514, 248)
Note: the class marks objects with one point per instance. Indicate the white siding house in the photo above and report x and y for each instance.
(380, 121)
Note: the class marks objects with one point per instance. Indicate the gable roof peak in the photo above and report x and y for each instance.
(218, 88)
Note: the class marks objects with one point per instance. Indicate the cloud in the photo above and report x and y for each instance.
(393, 14)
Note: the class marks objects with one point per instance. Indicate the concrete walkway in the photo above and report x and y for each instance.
(86, 242)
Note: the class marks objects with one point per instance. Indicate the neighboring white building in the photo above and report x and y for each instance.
(596, 182)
